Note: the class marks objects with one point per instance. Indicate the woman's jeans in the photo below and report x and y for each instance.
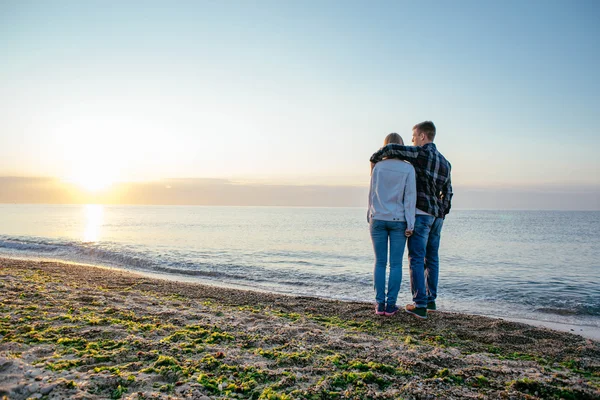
(381, 232)
(423, 258)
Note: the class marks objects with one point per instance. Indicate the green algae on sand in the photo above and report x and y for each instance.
(70, 330)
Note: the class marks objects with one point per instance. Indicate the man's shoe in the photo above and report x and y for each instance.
(419, 312)
(391, 309)
(431, 306)
(380, 309)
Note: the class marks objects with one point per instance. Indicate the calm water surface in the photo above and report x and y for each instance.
(539, 265)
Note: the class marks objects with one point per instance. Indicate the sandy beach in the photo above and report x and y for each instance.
(81, 332)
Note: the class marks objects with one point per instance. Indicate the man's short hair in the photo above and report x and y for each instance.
(426, 127)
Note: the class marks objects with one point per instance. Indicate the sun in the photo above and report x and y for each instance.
(92, 180)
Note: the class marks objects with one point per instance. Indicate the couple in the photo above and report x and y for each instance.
(408, 201)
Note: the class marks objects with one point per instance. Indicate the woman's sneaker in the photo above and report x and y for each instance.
(380, 309)
(419, 312)
(391, 309)
(431, 306)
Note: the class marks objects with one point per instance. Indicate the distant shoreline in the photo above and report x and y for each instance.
(586, 210)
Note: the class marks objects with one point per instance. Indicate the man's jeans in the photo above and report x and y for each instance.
(423, 257)
(381, 231)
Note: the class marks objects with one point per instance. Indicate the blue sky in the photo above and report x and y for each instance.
(298, 92)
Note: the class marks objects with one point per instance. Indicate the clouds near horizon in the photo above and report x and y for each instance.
(220, 192)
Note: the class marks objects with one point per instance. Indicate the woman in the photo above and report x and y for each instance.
(391, 215)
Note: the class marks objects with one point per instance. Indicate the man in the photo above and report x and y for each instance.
(434, 193)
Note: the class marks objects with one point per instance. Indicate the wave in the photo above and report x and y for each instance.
(27, 245)
(191, 264)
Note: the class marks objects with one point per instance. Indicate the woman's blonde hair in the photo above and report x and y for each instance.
(393, 138)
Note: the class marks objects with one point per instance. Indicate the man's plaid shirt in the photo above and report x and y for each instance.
(434, 190)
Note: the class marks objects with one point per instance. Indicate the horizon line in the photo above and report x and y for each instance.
(279, 206)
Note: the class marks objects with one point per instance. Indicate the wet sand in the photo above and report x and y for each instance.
(73, 331)
(587, 331)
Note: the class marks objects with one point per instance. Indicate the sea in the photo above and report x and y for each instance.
(536, 265)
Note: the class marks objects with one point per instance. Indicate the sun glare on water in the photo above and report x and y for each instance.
(93, 222)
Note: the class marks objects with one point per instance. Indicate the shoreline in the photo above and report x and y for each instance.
(584, 330)
(70, 330)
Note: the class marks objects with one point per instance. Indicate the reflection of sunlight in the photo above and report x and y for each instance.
(93, 222)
